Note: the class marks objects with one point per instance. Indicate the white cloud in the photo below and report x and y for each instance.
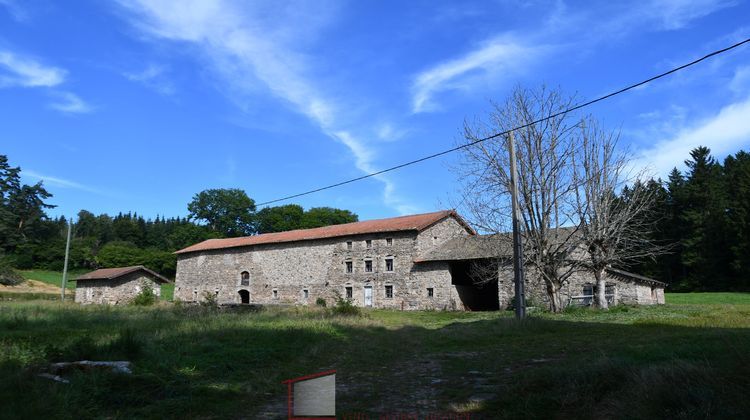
(153, 77)
(498, 56)
(677, 14)
(740, 83)
(25, 72)
(724, 133)
(58, 182)
(255, 47)
(70, 103)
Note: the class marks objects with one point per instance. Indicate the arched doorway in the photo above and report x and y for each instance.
(244, 297)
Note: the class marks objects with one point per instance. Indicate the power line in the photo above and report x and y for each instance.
(503, 133)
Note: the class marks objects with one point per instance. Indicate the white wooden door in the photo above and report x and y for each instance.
(368, 295)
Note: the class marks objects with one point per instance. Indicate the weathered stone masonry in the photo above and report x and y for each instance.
(282, 272)
(116, 285)
(411, 262)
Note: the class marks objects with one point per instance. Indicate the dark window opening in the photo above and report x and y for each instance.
(368, 266)
(349, 245)
(388, 292)
(349, 267)
(244, 278)
(389, 264)
(430, 292)
(275, 294)
(368, 244)
(305, 293)
(349, 293)
(389, 241)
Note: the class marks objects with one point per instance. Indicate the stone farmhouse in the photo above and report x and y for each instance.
(116, 285)
(422, 261)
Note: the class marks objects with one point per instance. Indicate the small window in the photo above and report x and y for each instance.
(349, 245)
(389, 264)
(434, 240)
(349, 292)
(195, 295)
(349, 267)
(368, 266)
(389, 241)
(368, 244)
(305, 294)
(430, 292)
(389, 292)
(275, 294)
(244, 278)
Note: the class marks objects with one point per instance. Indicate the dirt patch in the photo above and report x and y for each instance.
(34, 286)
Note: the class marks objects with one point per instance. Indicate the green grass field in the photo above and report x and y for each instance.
(52, 277)
(687, 360)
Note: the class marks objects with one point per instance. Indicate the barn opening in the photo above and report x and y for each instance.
(476, 284)
(244, 297)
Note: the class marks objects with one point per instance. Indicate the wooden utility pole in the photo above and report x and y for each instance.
(65, 265)
(518, 277)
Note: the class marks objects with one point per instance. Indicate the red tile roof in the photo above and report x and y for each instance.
(417, 222)
(113, 273)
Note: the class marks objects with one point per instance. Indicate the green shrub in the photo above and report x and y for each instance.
(146, 297)
(320, 302)
(345, 307)
(9, 276)
(209, 301)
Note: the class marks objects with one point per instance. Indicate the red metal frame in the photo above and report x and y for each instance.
(290, 394)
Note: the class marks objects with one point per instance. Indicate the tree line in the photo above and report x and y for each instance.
(704, 212)
(30, 239)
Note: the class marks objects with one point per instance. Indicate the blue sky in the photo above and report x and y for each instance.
(137, 106)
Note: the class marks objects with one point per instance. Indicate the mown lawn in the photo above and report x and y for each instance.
(671, 361)
(708, 298)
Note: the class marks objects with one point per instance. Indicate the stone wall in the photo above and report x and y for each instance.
(116, 291)
(625, 291)
(281, 273)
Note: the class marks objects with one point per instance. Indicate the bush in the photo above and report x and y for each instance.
(209, 301)
(320, 302)
(9, 276)
(345, 307)
(146, 297)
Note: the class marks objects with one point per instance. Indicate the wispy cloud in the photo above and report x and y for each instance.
(59, 182)
(253, 47)
(70, 103)
(723, 133)
(502, 55)
(26, 72)
(16, 11)
(153, 77)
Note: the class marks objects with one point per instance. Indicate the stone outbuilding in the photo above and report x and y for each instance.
(422, 261)
(116, 285)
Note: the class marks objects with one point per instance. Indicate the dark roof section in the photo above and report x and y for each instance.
(417, 222)
(643, 279)
(113, 273)
(473, 247)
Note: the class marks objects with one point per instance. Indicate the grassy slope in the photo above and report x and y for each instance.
(669, 361)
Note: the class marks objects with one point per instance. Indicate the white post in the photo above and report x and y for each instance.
(65, 265)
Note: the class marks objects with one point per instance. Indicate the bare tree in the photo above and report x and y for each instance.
(612, 205)
(546, 188)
